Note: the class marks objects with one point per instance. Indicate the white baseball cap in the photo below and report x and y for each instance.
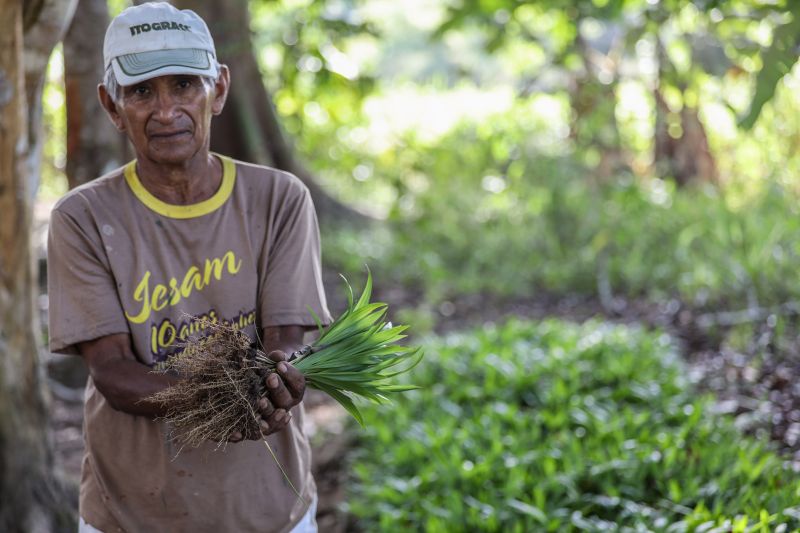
(156, 39)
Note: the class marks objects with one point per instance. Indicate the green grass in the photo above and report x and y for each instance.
(557, 427)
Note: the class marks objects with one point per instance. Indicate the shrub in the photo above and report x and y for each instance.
(558, 427)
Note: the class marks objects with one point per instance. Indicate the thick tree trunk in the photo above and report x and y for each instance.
(29, 493)
(94, 146)
(249, 128)
(32, 499)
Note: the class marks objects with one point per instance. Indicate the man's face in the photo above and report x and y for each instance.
(168, 118)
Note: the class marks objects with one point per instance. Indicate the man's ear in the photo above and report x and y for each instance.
(110, 107)
(221, 86)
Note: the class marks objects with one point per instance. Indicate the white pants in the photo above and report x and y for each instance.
(307, 524)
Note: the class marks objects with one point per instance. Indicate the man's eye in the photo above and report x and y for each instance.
(140, 90)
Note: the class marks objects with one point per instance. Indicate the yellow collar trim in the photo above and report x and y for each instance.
(184, 211)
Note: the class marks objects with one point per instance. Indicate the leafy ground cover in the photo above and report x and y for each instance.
(559, 427)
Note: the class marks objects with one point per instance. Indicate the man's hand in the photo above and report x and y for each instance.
(270, 420)
(285, 389)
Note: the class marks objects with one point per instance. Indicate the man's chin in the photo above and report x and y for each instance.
(172, 153)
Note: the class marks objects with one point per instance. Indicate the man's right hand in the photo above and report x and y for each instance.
(121, 378)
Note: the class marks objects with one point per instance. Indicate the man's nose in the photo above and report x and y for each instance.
(166, 107)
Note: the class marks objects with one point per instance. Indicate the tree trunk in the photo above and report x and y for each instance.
(694, 156)
(46, 22)
(94, 146)
(32, 499)
(682, 154)
(594, 123)
(249, 128)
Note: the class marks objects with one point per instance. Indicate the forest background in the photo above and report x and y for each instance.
(585, 210)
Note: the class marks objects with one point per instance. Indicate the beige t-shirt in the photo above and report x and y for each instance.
(122, 261)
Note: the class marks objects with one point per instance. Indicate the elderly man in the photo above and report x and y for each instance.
(142, 259)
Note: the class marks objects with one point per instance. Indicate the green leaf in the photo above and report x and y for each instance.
(345, 402)
(778, 61)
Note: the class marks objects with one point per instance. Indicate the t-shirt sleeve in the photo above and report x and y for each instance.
(83, 300)
(291, 271)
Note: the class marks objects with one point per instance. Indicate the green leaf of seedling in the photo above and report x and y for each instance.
(367, 293)
(317, 320)
(345, 402)
(349, 292)
(398, 388)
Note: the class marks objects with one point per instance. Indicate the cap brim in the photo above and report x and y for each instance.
(133, 68)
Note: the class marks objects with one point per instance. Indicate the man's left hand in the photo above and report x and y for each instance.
(286, 387)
